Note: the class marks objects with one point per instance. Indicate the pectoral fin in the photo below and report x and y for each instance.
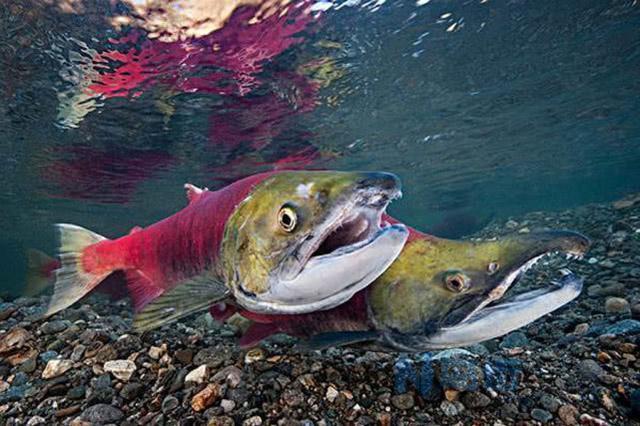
(188, 297)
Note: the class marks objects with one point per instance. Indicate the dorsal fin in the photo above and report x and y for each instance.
(193, 192)
(135, 229)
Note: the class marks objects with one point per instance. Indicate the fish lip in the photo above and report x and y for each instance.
(368, 204)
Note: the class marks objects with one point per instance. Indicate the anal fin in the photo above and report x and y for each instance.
(188, 297)
(338, 338)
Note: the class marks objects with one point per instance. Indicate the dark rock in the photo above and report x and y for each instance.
(590, 369)
(509, 411)
(185, 356)
(101, 414)
(29, 366)
(542, 416)
(293, 397)
(47, 356)
(21, 378)
(516, 339)
(106, 353)
(52, 327)
(549, 403)
(169, 404)
(475, 400)
(131, 391)
(210, 356)
(77, 392)
(403, 401)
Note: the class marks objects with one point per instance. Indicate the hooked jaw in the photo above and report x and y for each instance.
(486, 316)
(352, 247)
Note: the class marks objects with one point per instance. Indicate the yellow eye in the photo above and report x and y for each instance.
(287, 218)
(457, 282)
(493, 267)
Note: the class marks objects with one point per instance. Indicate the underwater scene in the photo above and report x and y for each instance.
(320, 212)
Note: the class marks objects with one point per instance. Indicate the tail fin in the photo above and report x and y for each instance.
(40, 269)
(72, 281)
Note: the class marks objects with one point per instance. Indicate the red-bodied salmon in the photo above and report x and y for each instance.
(285, 242)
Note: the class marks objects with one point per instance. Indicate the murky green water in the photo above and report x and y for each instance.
(484, 109)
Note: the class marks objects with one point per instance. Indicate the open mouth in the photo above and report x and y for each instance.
(496, 316)
(353, 248)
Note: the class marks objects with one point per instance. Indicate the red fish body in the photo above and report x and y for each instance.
(157, 257)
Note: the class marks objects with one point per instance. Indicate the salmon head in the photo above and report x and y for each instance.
(443, 293)
(303, 241)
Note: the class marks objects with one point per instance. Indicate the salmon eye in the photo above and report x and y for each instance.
(457, 282)
(492, 268)
(287, 218)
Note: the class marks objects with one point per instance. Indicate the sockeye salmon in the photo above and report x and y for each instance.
(437, 294)
(278, 242)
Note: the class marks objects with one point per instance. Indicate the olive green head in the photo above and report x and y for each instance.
(295, 241)
(437, 283)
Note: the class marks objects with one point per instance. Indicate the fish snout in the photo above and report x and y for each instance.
(388, 184)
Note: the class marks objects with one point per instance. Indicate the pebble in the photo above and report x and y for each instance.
(253, 421)
(568, 414)
(131, 390)
(543, 416)
(550, 403)
(197, 376)
(403, 401)
(185, 356)
(121, 369)
(616, 305)
(331, 394)
(581, 328)
(514, 340)
(14, 339)
(78, 352)
(52, 327)
(102, 414)
(169, 403)
(56, 367)
(254, 355)
(590, 369)
(475, 400)
(221, 421)
(205, 398)
(227, 405)
(155, 352)
(451, 409)
(36, 420)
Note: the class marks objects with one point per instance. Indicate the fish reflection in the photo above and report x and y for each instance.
(253, 127)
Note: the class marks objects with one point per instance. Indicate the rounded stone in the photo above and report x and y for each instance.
(617, 305)
(543, 416)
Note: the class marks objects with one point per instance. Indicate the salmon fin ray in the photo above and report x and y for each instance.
(72, 281)
(337, 338)
(193, 295)
(193, 192)
(142, 289)
(39, 276)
